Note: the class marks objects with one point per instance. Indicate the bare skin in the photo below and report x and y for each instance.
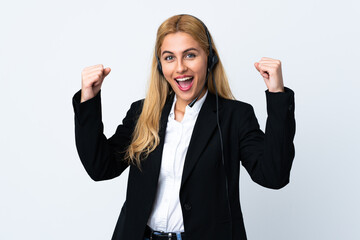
(270, 70)
(91, 80)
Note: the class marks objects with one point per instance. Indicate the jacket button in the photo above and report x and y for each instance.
(187, 206)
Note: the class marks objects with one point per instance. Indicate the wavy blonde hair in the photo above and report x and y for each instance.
(145, 137)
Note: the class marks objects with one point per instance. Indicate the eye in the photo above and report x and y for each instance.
(190, 55)
(168, 58)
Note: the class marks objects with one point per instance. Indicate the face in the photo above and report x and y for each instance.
(184, 65)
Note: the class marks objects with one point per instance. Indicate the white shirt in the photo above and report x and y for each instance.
(166, 214)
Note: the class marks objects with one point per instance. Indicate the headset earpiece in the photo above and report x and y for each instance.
(159, 65)
(212, 60)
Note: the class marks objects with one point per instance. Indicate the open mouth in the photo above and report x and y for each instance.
(184, 83)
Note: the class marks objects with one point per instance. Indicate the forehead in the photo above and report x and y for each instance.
(178, 42)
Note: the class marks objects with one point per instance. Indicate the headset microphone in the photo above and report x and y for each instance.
(194, 101)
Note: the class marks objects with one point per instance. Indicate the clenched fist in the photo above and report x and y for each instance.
(91, 80)
(270, 70)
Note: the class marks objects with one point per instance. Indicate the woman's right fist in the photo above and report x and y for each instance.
(91, 80)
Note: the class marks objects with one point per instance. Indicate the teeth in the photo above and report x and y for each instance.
(183, 79)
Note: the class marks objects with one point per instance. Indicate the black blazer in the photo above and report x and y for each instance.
(267, 158)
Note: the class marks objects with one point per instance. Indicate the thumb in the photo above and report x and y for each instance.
(106, 71)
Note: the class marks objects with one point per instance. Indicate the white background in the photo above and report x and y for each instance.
(44, 45)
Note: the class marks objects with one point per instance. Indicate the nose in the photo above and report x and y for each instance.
(181, 66)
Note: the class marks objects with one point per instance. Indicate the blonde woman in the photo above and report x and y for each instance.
(185, 141)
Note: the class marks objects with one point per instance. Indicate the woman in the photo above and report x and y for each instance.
(184, 144)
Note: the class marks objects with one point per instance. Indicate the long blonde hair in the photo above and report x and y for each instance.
(145, 137)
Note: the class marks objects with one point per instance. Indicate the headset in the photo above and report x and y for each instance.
(211, 63)
(212, 58)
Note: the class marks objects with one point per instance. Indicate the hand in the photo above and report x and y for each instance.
(270, 70)
(91, 80)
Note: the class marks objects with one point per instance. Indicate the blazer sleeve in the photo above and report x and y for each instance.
(268, 156)
(102, 158)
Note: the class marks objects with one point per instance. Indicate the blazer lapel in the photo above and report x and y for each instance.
(204, 127)
(155, 157)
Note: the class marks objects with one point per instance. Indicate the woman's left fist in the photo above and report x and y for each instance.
(270, 70)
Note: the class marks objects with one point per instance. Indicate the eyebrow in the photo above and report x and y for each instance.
(187, 50)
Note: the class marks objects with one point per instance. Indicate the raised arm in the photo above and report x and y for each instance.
(101, 157)
(268, 156)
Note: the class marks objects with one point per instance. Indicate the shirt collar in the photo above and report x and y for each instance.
(189, 110)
